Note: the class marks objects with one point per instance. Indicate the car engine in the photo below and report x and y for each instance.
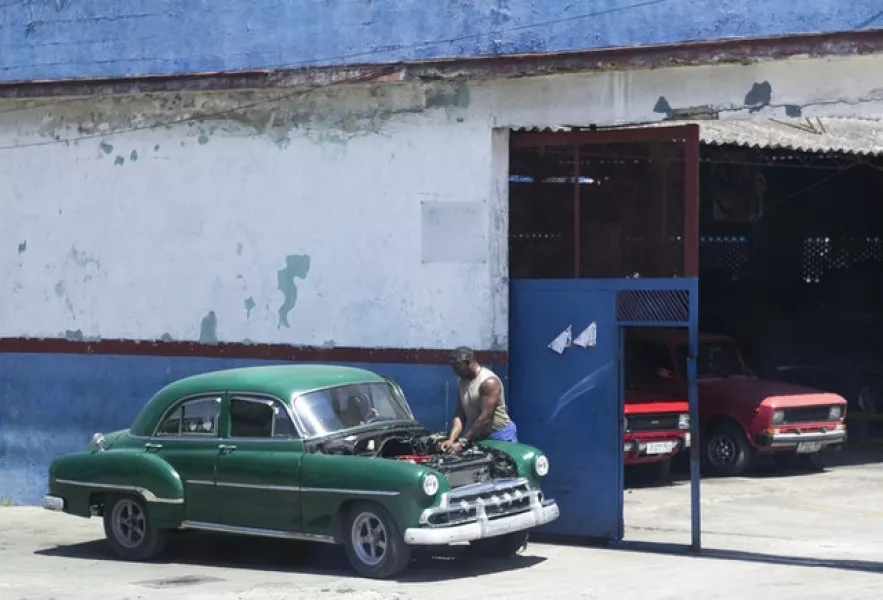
(471, 465)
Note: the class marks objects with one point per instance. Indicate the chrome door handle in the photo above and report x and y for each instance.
(225, 448)
(151, 446)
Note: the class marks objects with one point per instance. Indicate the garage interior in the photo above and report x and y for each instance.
(790, 247)
(791, 252)
(790, 240)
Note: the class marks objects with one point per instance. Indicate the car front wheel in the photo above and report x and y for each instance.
(374, 543)
(129, 530)
(726, 452)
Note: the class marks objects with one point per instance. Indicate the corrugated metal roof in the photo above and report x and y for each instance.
(853, 135)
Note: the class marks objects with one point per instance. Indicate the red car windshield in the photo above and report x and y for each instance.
(718, 358)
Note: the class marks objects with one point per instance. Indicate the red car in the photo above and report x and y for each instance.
(740, 415)
(656, 429)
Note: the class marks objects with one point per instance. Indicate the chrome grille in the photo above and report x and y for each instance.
(492, 499)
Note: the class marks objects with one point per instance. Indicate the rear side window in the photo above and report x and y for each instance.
(194, 417)
(259, 418)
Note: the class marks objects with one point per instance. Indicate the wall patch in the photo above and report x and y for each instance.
(296, 266)
(208, 329)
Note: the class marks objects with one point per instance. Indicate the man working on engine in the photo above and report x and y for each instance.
(481, 404)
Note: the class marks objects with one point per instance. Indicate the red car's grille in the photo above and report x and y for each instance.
(808, 414)
(653, 422)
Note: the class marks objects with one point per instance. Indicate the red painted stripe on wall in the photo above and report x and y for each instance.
(243, 351)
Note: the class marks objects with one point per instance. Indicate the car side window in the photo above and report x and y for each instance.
(259, 418)
(195, 417)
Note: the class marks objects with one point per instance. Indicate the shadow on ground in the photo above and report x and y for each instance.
(211, 550)
(766, 467)
(714, 553)
(753, 557)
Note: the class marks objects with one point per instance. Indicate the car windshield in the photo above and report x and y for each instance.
(325, 411)
(718, 358)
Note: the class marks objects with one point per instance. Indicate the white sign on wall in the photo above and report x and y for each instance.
(588, 337)
(562, 340)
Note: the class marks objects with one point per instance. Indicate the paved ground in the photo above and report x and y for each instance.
(806, 536)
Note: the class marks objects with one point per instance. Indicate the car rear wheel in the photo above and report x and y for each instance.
(502, 546)
(726, 452)
(129, 531)
(374, 543)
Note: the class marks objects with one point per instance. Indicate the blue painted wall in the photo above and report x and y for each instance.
(51, 404)
(59, 39)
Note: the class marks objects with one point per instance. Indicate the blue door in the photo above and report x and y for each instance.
(564, 384)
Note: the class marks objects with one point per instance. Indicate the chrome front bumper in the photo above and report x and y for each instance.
(482, 511)
(53, 503)
(789, 440)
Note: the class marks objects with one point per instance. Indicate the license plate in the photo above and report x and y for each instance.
(808, 447)
(659, 447)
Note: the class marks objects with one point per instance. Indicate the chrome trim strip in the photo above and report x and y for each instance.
(292, 488)
(354, 492)
(214, 440)
(271, 533)
(144, 492)
(176, 438)
(255, 486)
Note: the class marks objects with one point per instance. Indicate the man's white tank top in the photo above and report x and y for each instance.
(470, 400)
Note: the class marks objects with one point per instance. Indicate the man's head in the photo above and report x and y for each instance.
(463, 362)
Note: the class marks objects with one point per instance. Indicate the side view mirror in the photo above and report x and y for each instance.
(665, 373)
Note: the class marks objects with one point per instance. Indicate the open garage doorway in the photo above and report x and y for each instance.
(657, 438)
(603, 236)
(656, 410)
(791, 271)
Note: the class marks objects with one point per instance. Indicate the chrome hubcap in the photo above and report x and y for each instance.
(369, 539)
(129, 523)
(721, 451)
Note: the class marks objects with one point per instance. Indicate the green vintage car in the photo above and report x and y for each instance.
(306, 452)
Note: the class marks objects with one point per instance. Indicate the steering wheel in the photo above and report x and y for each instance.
(373, 415)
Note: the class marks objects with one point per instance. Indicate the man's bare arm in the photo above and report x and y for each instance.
(490, 392)
(457, 424)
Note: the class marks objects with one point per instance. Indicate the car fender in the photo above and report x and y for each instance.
(332, 483)
(522, 454)
(78, 477)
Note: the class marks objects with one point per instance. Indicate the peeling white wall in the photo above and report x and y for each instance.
(369, 216)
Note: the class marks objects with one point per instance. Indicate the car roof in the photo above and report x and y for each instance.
(281, 381)
(668, 336)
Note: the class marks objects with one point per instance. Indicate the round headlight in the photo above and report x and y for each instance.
(430, 485)
(778, 417)
(541, 465)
